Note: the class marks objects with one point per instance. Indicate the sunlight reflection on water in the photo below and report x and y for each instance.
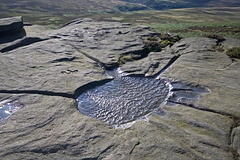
(7, 108)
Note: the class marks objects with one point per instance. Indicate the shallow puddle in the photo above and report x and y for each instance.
(7, 108)
(124, 99)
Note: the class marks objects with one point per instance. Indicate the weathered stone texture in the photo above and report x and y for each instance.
(44, 75)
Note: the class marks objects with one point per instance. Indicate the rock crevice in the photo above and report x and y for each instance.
(48, 93)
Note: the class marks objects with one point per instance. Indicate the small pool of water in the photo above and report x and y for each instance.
(7, 108)
(124, 99)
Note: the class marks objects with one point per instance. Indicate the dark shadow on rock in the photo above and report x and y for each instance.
(90, 85)
(11, 29)
(6, 38)
(48, 93)
(22, 42)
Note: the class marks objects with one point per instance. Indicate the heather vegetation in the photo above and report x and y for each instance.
(234, 52)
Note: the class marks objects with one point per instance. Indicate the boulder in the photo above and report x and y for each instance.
(11, 25)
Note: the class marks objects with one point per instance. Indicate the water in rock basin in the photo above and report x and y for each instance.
(124, 99)
(7, 108)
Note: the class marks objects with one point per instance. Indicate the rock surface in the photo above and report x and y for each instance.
(108, 39)
(44, 76)
(198, 64)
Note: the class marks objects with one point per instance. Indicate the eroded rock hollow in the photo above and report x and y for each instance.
(125, 99)
(48, 70)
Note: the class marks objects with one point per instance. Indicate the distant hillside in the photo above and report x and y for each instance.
(86, 7)
(54, 13)
(57, 12)
(67, 6)
(169, 4)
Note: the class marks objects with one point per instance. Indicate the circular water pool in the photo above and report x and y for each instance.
(124, 99)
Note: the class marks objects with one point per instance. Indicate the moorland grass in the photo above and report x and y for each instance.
(200, 29)
(188, 22)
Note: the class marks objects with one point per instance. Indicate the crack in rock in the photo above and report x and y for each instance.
(48, 93)
(199, 108)
(22, 42)
(100, 63)
(138, 143)
(170, 62)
